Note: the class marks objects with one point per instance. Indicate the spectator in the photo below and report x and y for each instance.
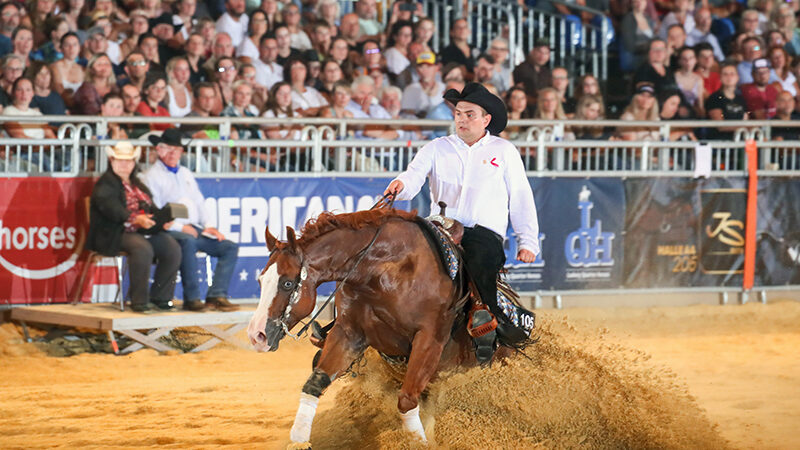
(148, 46)
(45, 99)
(164, 30)
(242, 106)
(783, 19)
(131, 97)
(340, 98)
(560, 84)
(548, 106)
(205, 99)
(676, 40)
(179, 97)
(117, 224)
(136, 69)
(391, 99)
(459, 50)
(223, 83)
(340, 53)
(268, 71)
(780, 75)
(184, 16)
(364, 104)
(724, 8)
(155, 91)
(331, 74)
(706, 68)
(285, 49)
(726, 103)
(113, 107)
(410, 74)
(99, 81)
(784, 110)
(368, 25)
(152, 8)
(637, 30)
(96, 43)
(590, 107)
(321, 39)
(13, 68)
(423, 33)
(247, 73)
(270, 8)
(587, 85)
(397, 53)
(328, 11)
(297, 37)
(669, 107)
(195, 55)
(501, 78)
(702, 33)
(9, 21)
(681, 15)
(222, 48)
(690, 83)
(72, 12)
(306, 100)
(643, 106)
(171, 182)
(22, 44)
(534, 73)
(404, 11)
(424, 95)
(517, 106)
(50, 51)
(371, 57)
(749, 24)
(279, 106)
(484, 70)
(349, 30)
(234, 22)
(111, 48)
(775, 38)
(140, 25)
(654, 70)
(760, 96)
(207, 28)
(22, 95)
(314, 67)
(752, 49)
(68, 71)
(764, 8)
(116, 16)
(38, 11)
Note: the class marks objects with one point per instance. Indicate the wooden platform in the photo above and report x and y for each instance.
(145, 329)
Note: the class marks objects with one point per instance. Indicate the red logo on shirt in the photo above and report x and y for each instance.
(492, 162)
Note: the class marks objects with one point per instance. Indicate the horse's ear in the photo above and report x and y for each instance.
(290, 237)
(272, 242)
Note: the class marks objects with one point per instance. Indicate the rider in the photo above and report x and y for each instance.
(481, 178)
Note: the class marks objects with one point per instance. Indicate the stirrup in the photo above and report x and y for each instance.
(482, 326)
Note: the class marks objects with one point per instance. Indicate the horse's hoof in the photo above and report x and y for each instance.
(315, 361)
(298, 446)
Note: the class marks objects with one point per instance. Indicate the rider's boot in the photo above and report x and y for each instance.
(482, 329)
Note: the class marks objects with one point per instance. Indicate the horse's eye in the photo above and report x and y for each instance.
(288, 285)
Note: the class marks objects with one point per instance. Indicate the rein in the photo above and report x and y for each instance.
(385, 202)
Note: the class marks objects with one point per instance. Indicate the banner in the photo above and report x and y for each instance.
(778, 232)
(683, 232)
(43, 225)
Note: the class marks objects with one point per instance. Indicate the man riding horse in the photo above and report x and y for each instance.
(481, 179)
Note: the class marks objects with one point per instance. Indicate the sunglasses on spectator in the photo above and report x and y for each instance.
(372, 51)
(137, 63)
(226, 69)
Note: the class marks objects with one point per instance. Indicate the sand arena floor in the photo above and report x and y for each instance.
(684, 377)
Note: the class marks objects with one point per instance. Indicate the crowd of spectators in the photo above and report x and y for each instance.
(685, 59)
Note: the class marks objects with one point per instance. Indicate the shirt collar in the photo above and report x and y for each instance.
(171, 169)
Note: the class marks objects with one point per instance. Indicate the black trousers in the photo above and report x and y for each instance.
(484, 257)
(141, 252)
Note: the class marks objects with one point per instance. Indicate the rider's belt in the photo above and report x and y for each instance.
(483, 228)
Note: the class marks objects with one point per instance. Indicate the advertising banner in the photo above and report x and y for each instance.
(683, 232)
(778, 232)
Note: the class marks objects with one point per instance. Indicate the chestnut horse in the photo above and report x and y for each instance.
(398, 300)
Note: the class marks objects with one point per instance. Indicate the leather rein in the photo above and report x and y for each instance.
(387, 201)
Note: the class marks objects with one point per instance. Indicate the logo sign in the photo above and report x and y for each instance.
(589, 246)
(722, 230)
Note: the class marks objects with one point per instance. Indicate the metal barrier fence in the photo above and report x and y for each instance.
(330, 146)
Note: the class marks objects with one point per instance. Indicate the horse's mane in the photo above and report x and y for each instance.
(327, 221)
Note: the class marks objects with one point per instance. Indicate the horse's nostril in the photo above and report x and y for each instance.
(261, 337)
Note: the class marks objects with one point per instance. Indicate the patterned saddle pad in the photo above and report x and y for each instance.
(447, 252)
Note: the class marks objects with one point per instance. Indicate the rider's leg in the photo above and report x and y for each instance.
(342, 348)
(426, 351)
(484, 257)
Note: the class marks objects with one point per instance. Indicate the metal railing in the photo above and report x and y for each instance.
(329, 146)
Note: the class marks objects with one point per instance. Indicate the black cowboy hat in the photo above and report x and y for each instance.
(170, 136)
(166, 19)
(478, 94)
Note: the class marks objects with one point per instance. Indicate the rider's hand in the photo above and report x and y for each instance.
(526, 256)
(394, 187)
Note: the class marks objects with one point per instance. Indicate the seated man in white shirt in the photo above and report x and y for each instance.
(172, 183)
(268, 71)
(234, 21)
(425, 94)
(482, 180)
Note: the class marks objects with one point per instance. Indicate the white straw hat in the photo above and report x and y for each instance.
(123, 150)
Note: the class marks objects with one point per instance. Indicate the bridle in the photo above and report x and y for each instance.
(385, 202)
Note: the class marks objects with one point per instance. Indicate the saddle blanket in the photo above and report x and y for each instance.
(446, 250)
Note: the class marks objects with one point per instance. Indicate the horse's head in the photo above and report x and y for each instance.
(287, 295)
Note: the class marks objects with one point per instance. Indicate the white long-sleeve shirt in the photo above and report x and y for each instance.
(180, 187)
(482, 185)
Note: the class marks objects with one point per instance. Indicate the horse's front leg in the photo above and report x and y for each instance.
(342, 347)
(426, 351)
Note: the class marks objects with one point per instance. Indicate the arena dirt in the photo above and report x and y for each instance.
(692, 377)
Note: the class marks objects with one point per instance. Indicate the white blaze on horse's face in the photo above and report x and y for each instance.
(269, 289)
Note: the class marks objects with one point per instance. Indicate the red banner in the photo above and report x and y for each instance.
(43, 225)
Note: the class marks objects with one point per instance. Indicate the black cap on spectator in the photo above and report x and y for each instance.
(164, 19)
(311, 56)
(541, 42)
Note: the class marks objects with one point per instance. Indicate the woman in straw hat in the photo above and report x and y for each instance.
(120, 220)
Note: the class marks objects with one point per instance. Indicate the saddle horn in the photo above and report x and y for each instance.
(272, 241)
(442, 208)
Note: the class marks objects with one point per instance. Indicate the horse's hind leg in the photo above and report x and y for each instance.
(341, 349)
(426, 351)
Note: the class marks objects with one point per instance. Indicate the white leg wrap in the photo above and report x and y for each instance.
(301, 430)
(411, 423)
